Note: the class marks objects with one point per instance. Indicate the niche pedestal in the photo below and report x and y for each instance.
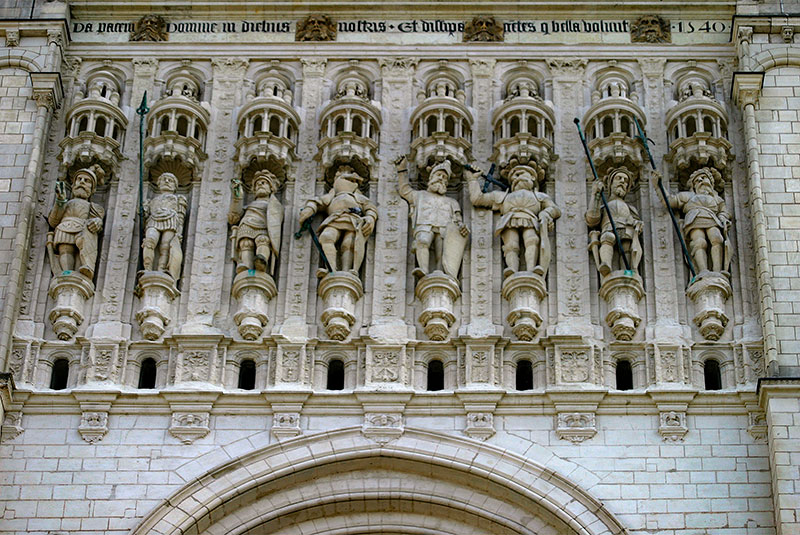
(524, 292)
(156, 292)
(70, 291)
(253, 290)
(709, 292)
(340, 291)
(622, 291)
(438, 293)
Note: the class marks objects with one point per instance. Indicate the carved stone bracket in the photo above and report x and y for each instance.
(383, 414)
(253, 290)
(757, 426)
(709, 292)
(340, 291)
(286, 409)
(576, 426)
(672, 406)
(10, 412)
(479, 408)
(622, 292)
(672, 426)
(524, 291)
(12, 426)
(70, 291)
(157, 292)
(94, 426)
(47, 89)
(438, 293)
(191, 417)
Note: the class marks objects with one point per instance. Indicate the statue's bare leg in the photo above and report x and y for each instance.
(607, 242)
(510, 238)
(717, 246)
(66, 256)
(348, 246)
(422, 245)
(531, 240)
(438, 247)
(327, 239)
(163, 248)
(151, 236)
(246, 249)
(697, 246)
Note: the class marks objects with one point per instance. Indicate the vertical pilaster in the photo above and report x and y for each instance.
(572, 273)
(112, 293)
(295, 325)
(484, 283)
(391, 235)
(205, 290)
(665, 323)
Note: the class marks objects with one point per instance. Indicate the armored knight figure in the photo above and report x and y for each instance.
(256, 238)
(527, 217)
(706, 221)
(437, 221)
(602, 242)
(165, 214)
(77, 222)
(351, 217)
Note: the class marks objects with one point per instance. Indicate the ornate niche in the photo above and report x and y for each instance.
(442, 122)
(95, 123)
(268, 125)
(523, 122)
(176, 128)
(350, 124)
(699, 157)
(610, 128)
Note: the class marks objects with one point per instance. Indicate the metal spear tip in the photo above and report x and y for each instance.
(576, 120)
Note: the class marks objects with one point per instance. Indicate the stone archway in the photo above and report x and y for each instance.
(423, 483)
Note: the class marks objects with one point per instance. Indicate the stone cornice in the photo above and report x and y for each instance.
(87, 9)
(746, 87)
(777, 387)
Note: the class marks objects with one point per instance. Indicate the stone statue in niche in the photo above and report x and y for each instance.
(706, 221)
(164, 214)
(616, 184)
(437, 221)
(350, 220)
(256, 234)
(527, 217)
(77, 221)
(315, 28)
(483, 29)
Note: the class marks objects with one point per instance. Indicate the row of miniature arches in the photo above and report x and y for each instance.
(435, 377)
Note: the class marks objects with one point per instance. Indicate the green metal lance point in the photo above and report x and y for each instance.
(141, 111)
(664, 196)
(603, 198)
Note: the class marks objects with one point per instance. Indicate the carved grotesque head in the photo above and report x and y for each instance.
(150, 28)
(483, 29)
(168, 183)
(650, 29)
(316, 28)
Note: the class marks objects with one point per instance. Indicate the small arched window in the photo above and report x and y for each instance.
(435, 375)
(258, 124)
(335, 375)
(247, 374)
(83, 125)
(338, 125)
(524, 375)
(713, 378)
(274, 126)
(533, 127)
(624, 375)
(691, 126)
(357, 126)
(100, 126)
(514, 126)
(147, 374)
(164, 125)
(708, 125)
(115, 135)
(450, 125)
(431, 125)
(625, 125)
(60, 374)
(183, 126)
(608, 126)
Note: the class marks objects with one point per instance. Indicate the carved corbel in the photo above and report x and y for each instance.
(576, 426)
(383, 415)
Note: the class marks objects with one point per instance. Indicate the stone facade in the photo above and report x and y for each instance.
(374, 283)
